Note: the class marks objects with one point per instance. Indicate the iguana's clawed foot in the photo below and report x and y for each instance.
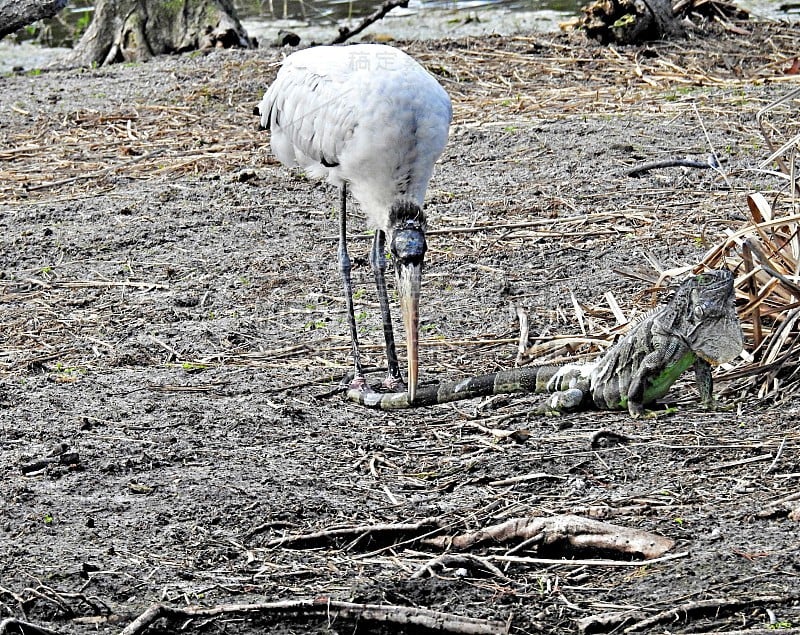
(715, 406)
(655, 414)
(546, 411)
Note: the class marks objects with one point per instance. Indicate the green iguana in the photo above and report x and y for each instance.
(698, 326)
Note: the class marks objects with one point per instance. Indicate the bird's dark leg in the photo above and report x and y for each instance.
(394, 380)
(344, 268)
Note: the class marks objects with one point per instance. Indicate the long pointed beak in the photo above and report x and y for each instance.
(409, 282)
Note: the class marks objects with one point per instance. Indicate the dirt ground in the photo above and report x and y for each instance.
(172, 319)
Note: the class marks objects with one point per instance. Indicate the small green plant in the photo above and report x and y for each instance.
(359, 294)
(679, 521)
(82, 24)
(193, 367)
(48, 519)
(66, 374)
(34, 72)
(361, 316)
(542, 584)
(781, 624)
(624, 21)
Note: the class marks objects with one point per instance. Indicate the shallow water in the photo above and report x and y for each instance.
(318, 21)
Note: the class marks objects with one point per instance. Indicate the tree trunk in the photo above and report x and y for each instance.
(15, 14)
(631, 21)
(137, 30)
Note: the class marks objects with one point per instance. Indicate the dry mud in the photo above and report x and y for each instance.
(171, 313)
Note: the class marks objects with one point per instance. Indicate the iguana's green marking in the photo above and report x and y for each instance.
(697, 327)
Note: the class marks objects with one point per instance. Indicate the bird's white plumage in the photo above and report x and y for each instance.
(367, 115)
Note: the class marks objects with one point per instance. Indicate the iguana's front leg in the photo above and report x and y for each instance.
(652, 363)
(705, 383)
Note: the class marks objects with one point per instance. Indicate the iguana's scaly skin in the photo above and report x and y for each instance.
(697, 327)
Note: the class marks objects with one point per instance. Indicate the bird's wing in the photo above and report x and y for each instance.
(308, 115)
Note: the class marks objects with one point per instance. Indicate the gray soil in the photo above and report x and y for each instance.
(171, 315)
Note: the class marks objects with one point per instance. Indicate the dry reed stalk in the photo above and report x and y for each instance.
(765, 253)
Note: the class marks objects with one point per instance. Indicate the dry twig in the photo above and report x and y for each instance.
(357, 534)
(13, 626)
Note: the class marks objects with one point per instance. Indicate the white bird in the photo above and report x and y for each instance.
(367, 118)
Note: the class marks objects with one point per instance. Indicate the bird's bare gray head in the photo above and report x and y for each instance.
(407, 233)
(408, 247)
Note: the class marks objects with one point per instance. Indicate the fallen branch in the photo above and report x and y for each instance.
(566, 530)
(18, 627)
(467, 561)
(380, 533)
(346, 33)
(332, 610)
(15, 14)
(607, 622)
(682, 612)
(585, 562)
(65, 458)
(639, 170)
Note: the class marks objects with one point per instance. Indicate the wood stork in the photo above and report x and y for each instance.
(370, 119)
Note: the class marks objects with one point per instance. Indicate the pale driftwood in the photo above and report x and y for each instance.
(333, 610)
(574, 531)
(15, 14)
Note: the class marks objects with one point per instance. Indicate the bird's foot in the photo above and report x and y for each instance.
(393, 384)
(360, 384)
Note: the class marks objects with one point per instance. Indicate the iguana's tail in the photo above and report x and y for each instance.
(531, 379)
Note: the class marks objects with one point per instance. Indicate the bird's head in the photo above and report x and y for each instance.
(408, 248)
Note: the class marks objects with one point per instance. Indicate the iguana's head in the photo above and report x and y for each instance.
(713, 329)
